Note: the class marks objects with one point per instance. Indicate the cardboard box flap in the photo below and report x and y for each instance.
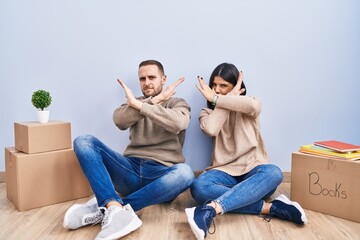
(11, 175)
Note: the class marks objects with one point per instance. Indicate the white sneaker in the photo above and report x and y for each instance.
(118, 222)
(80, 215)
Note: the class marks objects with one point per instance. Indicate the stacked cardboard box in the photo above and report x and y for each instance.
(42, 169)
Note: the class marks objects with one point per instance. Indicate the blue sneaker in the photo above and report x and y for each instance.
(200, 219)
(288, 210)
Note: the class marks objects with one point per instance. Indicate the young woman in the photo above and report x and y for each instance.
(240, 177)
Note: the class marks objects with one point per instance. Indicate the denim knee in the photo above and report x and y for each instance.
(185, 173)
(198, 190)
(275, 173)
(83, 146)
(83, 140)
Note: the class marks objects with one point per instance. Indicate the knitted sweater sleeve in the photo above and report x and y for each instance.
(173, 116)
(125, 116)
(211, 121)
(247, 105)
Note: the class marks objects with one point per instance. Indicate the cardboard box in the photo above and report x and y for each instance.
(37, 180)
(326, 185)
(34, 137)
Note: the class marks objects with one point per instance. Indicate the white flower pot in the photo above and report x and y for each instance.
(43, 116)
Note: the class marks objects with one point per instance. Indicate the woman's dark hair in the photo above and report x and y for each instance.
(229, 73)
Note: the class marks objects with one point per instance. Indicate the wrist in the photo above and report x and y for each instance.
(215, 97)
(136, 104)
(155, 99)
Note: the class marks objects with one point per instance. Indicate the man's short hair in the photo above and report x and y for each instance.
(153, 62)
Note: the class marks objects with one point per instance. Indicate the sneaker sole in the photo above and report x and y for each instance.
(284, 199)
(135, 224)
(199, 233)
(74, 207)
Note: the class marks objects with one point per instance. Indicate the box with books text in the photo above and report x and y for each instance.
(326, 185)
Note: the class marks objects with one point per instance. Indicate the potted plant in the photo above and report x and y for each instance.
(41, 99)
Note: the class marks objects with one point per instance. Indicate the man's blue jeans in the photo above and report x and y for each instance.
(240, 194)
(140, 182)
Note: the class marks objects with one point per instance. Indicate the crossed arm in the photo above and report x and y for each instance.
(173, 119)
(209, 93)
(212, 121)
(163, 96)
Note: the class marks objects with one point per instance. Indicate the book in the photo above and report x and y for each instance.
(338, 146)
(325, 152)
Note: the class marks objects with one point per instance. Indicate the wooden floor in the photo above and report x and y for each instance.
(168, 221)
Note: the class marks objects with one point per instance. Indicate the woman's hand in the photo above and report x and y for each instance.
(237, 90)
(205, 90)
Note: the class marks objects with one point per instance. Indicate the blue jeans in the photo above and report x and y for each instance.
(140, 182)
(240, 194)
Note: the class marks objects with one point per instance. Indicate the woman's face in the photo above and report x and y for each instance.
(221, 87)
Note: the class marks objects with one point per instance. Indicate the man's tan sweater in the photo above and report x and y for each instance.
(234, 125)
(157, 131)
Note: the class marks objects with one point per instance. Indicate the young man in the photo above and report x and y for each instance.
(152, 168)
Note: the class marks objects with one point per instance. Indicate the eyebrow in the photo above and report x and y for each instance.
(149, 76)
(226, 84)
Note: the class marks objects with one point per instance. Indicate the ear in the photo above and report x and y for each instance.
(163, 79)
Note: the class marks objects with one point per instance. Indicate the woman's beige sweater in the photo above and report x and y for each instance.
(234, 125)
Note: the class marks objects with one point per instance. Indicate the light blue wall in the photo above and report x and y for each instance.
(300, 58)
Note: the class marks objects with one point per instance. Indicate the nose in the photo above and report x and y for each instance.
(147, 81)
(216, 89)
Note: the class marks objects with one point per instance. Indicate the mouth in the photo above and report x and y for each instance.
(148, 91)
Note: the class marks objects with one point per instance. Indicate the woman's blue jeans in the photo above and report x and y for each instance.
(240, 194)
(140, 182)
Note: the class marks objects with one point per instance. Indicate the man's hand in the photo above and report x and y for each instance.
(205, 90)
(132, 101)
(237, 90)
(168, 92)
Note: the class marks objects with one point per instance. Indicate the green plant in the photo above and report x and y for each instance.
(41, 99)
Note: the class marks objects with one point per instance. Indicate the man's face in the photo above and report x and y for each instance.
(151, 80)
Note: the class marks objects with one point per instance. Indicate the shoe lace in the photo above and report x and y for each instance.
(209, 224)
(211, 220)
(267, 218)
(95, 218)
(106, 217)
(280, 213)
